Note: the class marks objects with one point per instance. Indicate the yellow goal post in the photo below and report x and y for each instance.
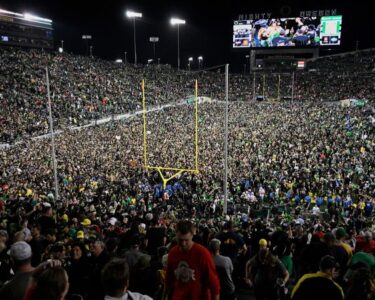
(145, 151)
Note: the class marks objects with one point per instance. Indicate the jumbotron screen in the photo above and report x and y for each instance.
(287, 32)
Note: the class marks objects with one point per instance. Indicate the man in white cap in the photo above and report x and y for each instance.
(20, 257)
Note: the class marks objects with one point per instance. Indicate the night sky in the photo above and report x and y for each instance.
(208, 31)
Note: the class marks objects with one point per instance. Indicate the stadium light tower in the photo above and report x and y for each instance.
(154, 40)
(178, 22)
(133, 15)
(190, 62)
(248, 58)
(200, 60)
(86, 38)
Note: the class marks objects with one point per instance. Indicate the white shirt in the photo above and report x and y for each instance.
(129, 296)
(316, 210)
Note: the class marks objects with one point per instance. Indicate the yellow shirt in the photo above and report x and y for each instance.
(347, 248)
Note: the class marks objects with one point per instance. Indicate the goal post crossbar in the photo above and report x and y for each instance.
(145, 149)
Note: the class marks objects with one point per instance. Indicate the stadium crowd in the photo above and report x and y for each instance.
(301, 190)
(84, 88)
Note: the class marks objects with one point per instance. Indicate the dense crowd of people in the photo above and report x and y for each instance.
(85, 88)
(301, 188)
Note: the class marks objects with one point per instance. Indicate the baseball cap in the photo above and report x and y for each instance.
(20, 251)
(86, 222)
(80, 234)
(366, 258)
(65, 217)
(340, 233)
(112, 221)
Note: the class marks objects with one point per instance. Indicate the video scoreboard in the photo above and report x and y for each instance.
(288, 32)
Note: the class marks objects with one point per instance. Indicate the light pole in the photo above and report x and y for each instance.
(190, 61)
(178, 22)
(62, 45)
(133, 15)
(87, 38)
(248, 57)
(154, 40)
(200, 61)
(90, 51)
(125, 57)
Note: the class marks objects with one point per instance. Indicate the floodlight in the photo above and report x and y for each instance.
(3, 11)
(119, 61)
(200, 57)
(176, 21)
(190, 59)
(133, 14)
(31, 17)
(154, 39)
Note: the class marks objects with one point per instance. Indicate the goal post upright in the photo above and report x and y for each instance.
(145, 153)
(144, 124)
(196, 126)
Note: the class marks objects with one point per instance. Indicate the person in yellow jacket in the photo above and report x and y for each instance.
(319, 285)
